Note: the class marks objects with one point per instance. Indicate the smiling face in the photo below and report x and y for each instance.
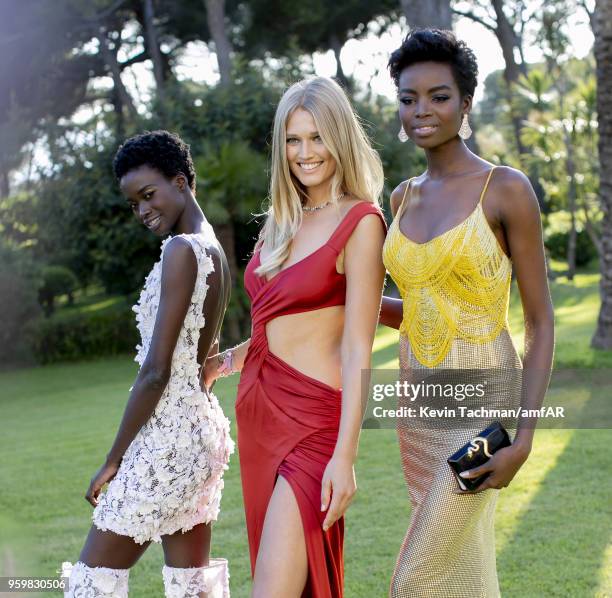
(309, 160)
(156, 201)
(430, 104)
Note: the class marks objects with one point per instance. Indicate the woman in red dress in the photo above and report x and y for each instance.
(315, 282)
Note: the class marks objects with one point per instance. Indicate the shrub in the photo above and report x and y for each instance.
(57, 281)
(83, 335)
(18, 303)
(556, 243)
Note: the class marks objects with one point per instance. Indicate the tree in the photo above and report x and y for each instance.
(602, 29)
(310, 27)
(39, 75)
(433, 13)
(122, 98)
(152, 45)
(508, 29)
(560, 132)
(215, 13)
(555, 44)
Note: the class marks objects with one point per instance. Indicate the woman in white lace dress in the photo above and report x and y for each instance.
(165, 467)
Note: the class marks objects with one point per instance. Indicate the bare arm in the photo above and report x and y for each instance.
(523, 227)
(520, 217)
(364, 279)
(240, 352)
(391, 310)
(215, 364)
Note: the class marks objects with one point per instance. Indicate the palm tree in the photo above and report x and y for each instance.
(602, 30)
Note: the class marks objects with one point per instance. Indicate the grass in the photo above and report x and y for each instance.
(554, 532)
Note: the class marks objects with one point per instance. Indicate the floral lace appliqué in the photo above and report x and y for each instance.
(95, 582)
(211, 581)
(171, 476)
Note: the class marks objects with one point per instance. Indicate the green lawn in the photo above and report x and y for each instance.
(554, 530)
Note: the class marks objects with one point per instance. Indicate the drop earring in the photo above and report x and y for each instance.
(402, 135)
(465, 131)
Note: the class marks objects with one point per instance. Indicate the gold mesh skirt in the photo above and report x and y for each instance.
(449, 548)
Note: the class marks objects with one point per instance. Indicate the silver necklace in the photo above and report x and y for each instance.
(321, 206)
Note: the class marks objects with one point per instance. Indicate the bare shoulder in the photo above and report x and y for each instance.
(178, 251)
(368, 235)
(513, 185)
(179, 265)
(514, 195)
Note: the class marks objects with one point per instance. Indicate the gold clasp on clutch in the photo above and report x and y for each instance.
(474, 448)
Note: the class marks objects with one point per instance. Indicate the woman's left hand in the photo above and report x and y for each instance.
(104, 475)
(339, 485)
(503, 466)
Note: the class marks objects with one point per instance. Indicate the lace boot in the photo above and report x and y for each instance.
(198, 582)
(95, 582)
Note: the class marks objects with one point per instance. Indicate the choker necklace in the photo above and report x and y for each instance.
(309, 210)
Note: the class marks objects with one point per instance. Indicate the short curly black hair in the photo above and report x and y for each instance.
(437, 45)
(161, 150)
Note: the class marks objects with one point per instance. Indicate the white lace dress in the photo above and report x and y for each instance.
(171, 476)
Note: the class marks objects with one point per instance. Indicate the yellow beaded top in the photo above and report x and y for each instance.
(454, 286)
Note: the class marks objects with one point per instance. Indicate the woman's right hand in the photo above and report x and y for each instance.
(104, 475)
(211, 370)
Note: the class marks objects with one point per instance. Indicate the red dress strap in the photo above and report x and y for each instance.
(345, 229)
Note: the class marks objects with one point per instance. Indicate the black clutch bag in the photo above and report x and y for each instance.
(477, 452)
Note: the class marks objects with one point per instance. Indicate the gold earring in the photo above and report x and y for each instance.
(465, 131)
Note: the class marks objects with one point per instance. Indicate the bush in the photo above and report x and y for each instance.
(556, 243)
(18, 303)
(57, 281)
(83, 335)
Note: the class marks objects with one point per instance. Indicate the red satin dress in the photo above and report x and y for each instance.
(287, 421)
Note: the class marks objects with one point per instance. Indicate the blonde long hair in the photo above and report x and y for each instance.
(358, 167)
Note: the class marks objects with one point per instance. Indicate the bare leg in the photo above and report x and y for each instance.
(107, 549)
(281, 569)
(104, 565)
(191, 549)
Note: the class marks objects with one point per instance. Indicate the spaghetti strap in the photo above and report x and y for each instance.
(400, 211)
(484, 190)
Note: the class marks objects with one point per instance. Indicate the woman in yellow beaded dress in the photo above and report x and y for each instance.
(459, 230)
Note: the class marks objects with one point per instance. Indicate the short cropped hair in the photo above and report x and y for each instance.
(161, 150)
(437, 45)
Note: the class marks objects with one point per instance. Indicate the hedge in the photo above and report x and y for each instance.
(83, 335)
